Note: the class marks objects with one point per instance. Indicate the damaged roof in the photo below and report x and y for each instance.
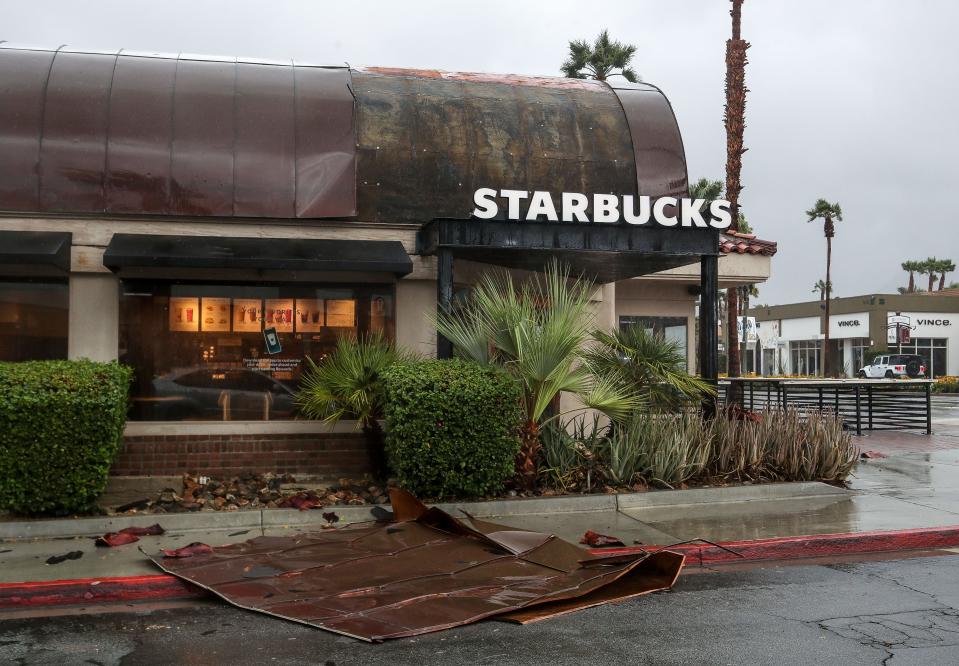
(423, 572)
(124, 132)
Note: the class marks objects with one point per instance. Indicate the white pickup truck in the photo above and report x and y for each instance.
(894, 365)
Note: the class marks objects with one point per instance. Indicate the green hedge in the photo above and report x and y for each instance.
(451, 427)
(60, 428)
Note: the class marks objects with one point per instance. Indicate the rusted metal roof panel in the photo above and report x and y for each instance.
(424, 572)
(174, 135)
(442, 136)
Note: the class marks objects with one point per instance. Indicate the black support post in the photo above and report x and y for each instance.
(708, 324)
(444, 296)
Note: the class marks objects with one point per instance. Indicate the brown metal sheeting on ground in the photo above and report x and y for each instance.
(424, 572)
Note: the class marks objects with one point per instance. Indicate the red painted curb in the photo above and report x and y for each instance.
(814, 545)
(95, 590)
(163, 587)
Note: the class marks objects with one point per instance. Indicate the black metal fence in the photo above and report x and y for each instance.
(864, 404)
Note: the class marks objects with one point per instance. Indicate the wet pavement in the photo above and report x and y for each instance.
(917, 485)
(896, 612)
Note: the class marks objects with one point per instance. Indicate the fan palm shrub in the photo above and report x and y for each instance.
(348, 384)
(537, 332)
(645, 363)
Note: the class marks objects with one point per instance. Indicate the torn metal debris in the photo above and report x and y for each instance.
(423, 572)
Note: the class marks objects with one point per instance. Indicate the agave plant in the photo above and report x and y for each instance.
(646, 363)
(537, 332)
(347, 384)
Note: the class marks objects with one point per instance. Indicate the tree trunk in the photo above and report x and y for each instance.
(912, 282)
(375, 440)
(932, 279)
(825, 344)
(527, 466)
(942, 281)
(735, 124)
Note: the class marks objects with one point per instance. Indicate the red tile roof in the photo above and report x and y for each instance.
(734, 241)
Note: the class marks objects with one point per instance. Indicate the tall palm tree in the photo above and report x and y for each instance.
(735, 121)
(537, 332)
(911, 266)
(600, 60)
(820, 287)
(830, 213)
(945, 266)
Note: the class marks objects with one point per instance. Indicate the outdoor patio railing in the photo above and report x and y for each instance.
(864, 404)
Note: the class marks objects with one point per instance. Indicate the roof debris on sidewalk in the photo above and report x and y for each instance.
(128, 535)
(424, 571)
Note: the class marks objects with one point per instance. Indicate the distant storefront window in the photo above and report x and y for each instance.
(33, 320)
(932, 350)
(805, 356)
(199, 350)
(859, 348)
(671, 328)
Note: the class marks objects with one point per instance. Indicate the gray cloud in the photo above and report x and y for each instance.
(850, 101)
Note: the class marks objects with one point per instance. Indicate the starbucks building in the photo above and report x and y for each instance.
(215, 221)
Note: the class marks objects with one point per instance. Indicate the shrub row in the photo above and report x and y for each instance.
(61, 423)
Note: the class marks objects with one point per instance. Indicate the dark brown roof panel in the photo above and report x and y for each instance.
(141, 133)
(23, 80)
(174, 135)
(73, 146)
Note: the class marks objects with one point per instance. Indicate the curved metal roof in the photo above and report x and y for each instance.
(139, 133)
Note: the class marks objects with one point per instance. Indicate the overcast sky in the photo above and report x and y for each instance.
(852, 101)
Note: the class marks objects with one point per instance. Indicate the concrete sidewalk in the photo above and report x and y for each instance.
(916, 486)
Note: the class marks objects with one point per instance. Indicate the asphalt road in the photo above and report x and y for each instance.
(891, 612)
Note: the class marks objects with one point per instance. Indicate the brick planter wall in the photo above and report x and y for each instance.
(326, 454)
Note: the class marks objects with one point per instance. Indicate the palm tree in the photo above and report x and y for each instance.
(537, 332)
(735, 122)
(931, 266)
(820, 287)
(912, 267)
(601, 60)
(347, 384)
(707, 190)
(830, 214)
(647, 364)
(945, 266)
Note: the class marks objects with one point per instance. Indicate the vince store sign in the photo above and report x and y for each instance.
(606, 208)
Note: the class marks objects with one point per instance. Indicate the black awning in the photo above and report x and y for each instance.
(282, 254)
(603, 252)
(35, 252)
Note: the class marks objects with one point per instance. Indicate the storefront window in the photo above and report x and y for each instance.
(671, 328)
(805, 356)
(932, 351)
(859, 348)
(200, 351)
(33, 320)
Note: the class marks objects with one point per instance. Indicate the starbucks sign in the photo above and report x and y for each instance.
(606, 208)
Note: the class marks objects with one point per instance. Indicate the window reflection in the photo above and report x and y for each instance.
(672, 329)
(199, 350)
(33, 320)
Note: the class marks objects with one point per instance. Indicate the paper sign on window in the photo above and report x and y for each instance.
(278, 314)
(341, 313)
(309, 315)
(215, 314)
(247, 315)
(185, 314)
